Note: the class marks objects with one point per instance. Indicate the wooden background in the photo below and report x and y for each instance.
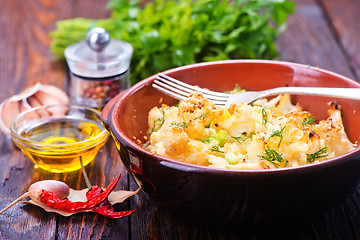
(323, 33)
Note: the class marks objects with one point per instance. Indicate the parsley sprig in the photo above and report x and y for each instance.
(169, 33)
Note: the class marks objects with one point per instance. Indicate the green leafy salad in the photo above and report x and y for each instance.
(171, 33)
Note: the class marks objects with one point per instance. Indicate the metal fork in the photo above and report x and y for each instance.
(181, 91)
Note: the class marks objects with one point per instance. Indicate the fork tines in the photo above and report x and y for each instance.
(181, 90)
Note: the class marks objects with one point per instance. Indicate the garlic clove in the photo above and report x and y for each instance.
(47, 99)
(26, 93)
(38, 95)
(8, 111)
(60, 189)
(58, 111)
(34, 102)
(55, 93)
(24, 105)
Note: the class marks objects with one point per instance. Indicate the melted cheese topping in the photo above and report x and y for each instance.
(266, 134)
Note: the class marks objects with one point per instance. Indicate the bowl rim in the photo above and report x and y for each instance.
(56, 147)
(175, 164)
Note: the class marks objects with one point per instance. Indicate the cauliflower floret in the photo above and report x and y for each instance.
(275, 134)
(174, 143)
(333, 133)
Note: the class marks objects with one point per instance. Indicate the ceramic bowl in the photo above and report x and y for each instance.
(236, 197)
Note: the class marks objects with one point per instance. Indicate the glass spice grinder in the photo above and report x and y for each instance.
(99, 68)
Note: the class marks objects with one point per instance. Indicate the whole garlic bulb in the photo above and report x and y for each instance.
(38, 95)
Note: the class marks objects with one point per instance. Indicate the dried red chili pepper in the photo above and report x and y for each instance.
(105, 208)
(97, 201)
(51, 200)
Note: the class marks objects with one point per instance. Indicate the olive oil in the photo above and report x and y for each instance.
(59, 143)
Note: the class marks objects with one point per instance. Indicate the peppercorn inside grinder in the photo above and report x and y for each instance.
(99, 68)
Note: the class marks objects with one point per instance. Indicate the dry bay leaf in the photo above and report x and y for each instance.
(80, 196)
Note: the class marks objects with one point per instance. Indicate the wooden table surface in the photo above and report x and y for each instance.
(323, 33)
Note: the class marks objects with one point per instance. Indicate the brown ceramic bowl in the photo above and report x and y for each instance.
(236, 197)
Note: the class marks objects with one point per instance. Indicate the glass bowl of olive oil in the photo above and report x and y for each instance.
(54, 137)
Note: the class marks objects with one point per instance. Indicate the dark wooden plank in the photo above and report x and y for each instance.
(91, 9)
(344, 18)
(309, 40)
(24, 60)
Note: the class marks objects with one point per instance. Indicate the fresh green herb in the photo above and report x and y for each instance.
(257, 108)
(169, 33)
(232, 158)
(184, 125)
(272, 156)
(212, 133)
(236, 89)
(202, 115)
(160, 121)
(322, 152)
(307, 122)
(204, 140)
(264, 116)
(278, 133)
(242, 138)
(176, 124)
(216, 148)
(221, 136)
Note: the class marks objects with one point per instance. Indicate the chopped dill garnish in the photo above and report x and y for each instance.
(202, 115)
(204, 140)
(307, 122)
(264, 117)
(160, 120)
(184, 125)
(322, 152)
(278, 133)
(175, 124)
(240, 139)
(215, 148)
(272, 156)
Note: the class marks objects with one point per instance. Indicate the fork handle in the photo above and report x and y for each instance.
(349, 93)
